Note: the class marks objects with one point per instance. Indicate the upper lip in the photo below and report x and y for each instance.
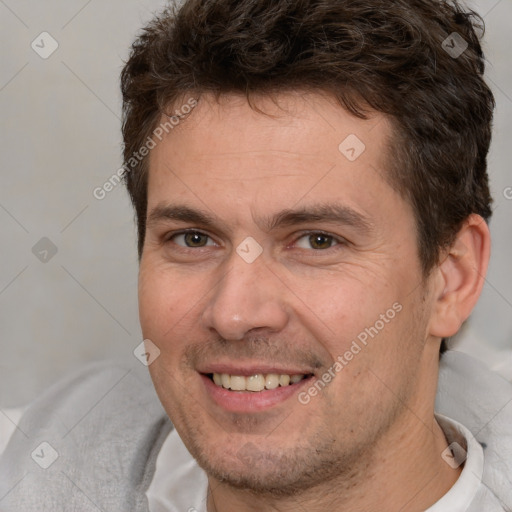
(246, 370)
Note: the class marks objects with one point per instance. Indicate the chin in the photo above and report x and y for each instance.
(266, 470)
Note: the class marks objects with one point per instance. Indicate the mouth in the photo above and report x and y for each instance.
(256, 383)
(250, 386)
(255, 391)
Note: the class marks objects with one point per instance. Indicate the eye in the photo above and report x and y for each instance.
(317, 241)
(192, 239)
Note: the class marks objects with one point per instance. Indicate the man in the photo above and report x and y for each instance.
(310, 186)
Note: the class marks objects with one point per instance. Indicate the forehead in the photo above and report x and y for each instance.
(311, 125)
(227, 153)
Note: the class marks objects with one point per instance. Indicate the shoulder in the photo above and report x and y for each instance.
(96, 429)
(481, 400)
(470, 390)
(97, 390)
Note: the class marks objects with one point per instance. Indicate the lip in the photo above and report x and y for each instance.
(250, 401)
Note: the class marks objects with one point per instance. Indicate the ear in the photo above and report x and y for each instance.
(459, 278)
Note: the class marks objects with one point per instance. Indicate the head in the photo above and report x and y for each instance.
(370, 56)
(343, 148)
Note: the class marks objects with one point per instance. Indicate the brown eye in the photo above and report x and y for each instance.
(317, 241)
(192, 239)
(320, 241)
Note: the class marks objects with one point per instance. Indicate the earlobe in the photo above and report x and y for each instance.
(460, 277)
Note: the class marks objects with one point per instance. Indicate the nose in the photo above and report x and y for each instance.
(249, 297)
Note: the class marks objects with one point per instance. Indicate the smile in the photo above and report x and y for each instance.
(255, 383)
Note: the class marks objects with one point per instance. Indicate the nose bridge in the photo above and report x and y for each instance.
(247, 297)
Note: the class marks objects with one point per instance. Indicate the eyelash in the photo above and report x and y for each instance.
(335, 239)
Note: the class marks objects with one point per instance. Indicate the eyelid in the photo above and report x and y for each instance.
(169, 237)
(338, 239)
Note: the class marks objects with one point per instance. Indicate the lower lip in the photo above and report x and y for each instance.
(251, 401)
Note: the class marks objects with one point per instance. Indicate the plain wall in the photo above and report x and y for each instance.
(61, 140)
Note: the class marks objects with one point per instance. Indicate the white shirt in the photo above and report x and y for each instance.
(179, 484)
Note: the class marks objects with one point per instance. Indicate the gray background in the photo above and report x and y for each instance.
(61, 139)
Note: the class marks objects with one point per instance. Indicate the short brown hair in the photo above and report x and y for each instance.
(396, 57)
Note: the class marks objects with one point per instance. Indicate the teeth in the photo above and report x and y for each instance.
(225, 380)
(257, 382)
(272, 381)
(254, 383)
(284, 380)
(237, 383)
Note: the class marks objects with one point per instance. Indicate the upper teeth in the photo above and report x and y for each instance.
(257, 382)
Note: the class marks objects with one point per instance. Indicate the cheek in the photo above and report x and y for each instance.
(151, 306)
(345, 307)
(362, 327)
(163, 301)
(165, 309)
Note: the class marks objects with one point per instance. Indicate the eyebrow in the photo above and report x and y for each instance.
(325, 212)
(180, 213)
(334, 213)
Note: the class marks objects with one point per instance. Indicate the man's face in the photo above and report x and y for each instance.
(272, 250)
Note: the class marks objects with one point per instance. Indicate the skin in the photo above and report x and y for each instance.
(368, 441)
